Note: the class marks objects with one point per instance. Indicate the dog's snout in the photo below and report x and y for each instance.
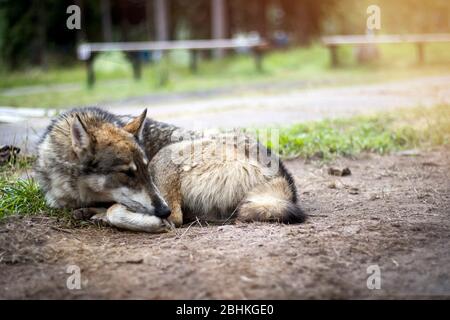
(163, 212)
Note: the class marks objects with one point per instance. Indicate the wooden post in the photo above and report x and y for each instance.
(194, 61)
(105, 9)
(218, 24)
(136, 64)
(420, 52)
(137, 70)
(258, 54)
(164, 69)
(90, 71)
(41, 35)
(334, 56)
(262, 23)
(161, 19)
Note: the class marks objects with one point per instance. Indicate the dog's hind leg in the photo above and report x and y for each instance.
(174, 200)
(120, 217)
(176, 217)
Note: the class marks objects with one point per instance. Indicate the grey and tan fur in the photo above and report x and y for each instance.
(201, 184)
(89, 159)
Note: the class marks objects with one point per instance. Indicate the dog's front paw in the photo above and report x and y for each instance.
(168, 225)
(162, 226)
(100, 219)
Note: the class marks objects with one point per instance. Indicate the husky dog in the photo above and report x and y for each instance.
(90, 157)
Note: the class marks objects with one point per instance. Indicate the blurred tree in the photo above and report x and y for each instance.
(81, 34)
(218, 24)
(41, 39)
(401, 16)
(106, 20)
(302, 18)
(161, 19)
(18, 31)
(190, 19)
(247, 17)
(262, 21)
(34, 32)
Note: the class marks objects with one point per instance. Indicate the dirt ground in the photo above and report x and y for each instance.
(392, 211)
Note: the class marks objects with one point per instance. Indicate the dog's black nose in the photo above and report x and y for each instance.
(163, 212)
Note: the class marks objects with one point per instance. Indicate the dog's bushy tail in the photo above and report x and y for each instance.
(271, 201)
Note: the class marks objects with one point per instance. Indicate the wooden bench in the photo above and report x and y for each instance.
(332, 42)
(87, 51)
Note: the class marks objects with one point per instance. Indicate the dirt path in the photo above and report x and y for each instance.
(261, 107)
(293, 105)
(393, 211)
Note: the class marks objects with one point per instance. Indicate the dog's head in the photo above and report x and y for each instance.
(115, 167)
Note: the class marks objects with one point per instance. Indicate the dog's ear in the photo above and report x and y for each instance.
(81, 140)
(136, 126)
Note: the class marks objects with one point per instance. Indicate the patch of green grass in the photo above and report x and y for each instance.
(311, 65)
(18, 192)
(383, 133)
(22, 196)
